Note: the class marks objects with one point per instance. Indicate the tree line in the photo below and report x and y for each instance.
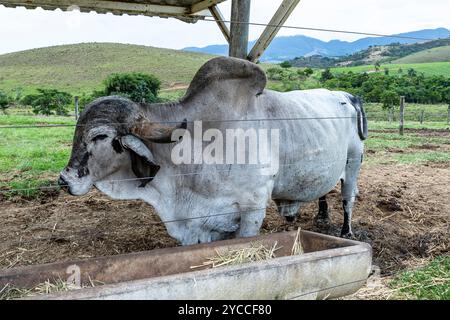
(387, 89)
(138, 87)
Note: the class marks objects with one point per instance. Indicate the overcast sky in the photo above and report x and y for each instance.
(22, 29)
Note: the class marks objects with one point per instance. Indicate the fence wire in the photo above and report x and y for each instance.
(369, 116)
(208, 19)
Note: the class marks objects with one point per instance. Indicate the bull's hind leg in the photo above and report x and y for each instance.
(323, 214)
(349, 192)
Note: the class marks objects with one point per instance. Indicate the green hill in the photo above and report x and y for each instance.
(429, 69)
(82, 67)
(439, 54)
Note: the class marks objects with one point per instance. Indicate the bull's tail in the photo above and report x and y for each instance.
(361, 114)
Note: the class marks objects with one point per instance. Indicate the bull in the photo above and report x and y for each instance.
(125, 150)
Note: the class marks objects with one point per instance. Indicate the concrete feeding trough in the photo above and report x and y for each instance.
(330, 267)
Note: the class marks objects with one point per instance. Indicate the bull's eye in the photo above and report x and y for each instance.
(99, 137)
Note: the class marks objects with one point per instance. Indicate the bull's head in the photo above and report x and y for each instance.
(110, 137)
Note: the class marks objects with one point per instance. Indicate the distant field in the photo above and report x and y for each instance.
(81, 68)
(439, 54)
(432, 68)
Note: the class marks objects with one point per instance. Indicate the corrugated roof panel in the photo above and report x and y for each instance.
(180, 9)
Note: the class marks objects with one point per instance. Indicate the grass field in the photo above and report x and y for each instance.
(429, 69)
(431, 282)
(439, 54)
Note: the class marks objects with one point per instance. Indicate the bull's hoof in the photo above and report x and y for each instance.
(320, 221)
(347, 235)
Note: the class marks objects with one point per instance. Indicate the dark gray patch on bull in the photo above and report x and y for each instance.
(99, 137)
(144, 170)
(82, 172)
(346, 227)
(108, 111)
(85, 159)
(82, 169)
(116, 145)
(362, 120)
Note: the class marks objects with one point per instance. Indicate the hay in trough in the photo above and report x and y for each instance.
(9, 292)
(255, 252)
(297, 248)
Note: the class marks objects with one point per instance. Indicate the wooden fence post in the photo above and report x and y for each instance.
(448, 114)
(402, 114)
(390, 115)
(422, 116)
(77, 114)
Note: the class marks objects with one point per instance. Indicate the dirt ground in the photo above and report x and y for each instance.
(403, 211)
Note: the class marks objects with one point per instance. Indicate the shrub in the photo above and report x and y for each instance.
(326, 75)
(308, 72)
(5, 101)
(286, 64)
(48, 101)
(138, 87)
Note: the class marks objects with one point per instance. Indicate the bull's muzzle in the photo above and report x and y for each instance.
(63, 184)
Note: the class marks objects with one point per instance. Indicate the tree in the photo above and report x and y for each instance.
(377, 66)
(389, 99)
(412, 72)
(308, 72)
(326, 75)
(4, 102)
(138, 87)
(48, 102)
(286, 64)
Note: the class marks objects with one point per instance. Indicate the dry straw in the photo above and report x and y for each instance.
(255, 252)
(9, 292)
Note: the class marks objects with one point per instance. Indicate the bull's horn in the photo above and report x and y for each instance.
(155, 132)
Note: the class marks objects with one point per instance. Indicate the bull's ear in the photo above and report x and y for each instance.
(142, 162)
(230, 75)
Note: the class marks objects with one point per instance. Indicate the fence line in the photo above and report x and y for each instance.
(250, 210)
(369, 116)
(189, 173)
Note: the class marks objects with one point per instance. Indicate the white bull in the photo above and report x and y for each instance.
(127, 151)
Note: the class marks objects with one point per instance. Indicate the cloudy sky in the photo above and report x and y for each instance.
(22, 29)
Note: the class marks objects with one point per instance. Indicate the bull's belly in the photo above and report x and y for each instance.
(307, 184)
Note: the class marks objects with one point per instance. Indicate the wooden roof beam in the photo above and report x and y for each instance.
(275, 24)
(215, 12)
(203, 5)
(196, 11)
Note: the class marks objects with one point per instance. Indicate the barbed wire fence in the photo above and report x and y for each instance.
(420, 116)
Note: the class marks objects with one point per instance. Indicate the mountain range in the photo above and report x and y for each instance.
(289, 47)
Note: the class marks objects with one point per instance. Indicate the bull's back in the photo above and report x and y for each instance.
(316, 139)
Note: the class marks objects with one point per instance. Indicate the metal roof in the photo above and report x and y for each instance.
(186, 10)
